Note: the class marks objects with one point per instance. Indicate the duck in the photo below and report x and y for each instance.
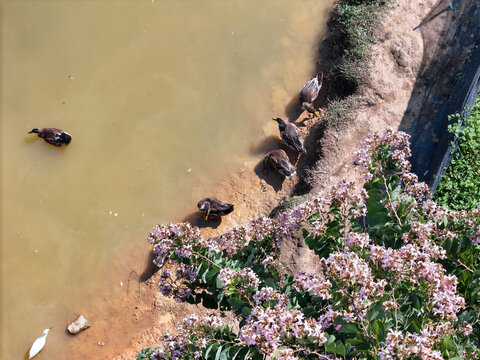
(53, 136)
(38, 344)
(278, 160)
(290, 136)
(214, 208)
(309, 93)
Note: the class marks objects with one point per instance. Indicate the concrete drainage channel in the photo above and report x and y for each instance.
(448, 82)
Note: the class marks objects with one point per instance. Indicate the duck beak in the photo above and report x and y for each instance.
(206, 217)
(276, 119)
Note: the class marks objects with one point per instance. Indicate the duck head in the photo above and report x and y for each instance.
(289, 173)
(34, 131)
(311, 110)
(205, 207)
(282, 124)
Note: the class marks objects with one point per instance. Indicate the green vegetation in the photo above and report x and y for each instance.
(357, 19)
(340, 111)
(146, 353)
(459, 187)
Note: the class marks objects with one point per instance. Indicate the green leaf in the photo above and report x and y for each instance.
(219, 352)
(340, 349)
(237, 352)
(331, 339)
(210, 348)
(349, 329)
(235, 303)
(373, 315)
(246, 311)
(210, 275)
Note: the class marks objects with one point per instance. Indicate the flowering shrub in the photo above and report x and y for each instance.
(397, 275)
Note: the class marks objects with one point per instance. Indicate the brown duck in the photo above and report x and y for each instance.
(309, 93)
(278, 160)
(53, 136)
(290, 136)
(214, 208)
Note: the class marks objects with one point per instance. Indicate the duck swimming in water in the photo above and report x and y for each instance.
(53, 136)
(309, 93)
(214, 208)
(278, 159)
(290, 136)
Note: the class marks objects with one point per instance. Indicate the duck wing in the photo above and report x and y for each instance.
(56, 137)
(217, 207)
(311, 89)
(284, 167)
(222, 208)
(292, 139)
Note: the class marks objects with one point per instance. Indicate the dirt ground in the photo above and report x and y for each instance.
(396, 58)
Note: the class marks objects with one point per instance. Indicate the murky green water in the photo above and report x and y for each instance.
(162, 99)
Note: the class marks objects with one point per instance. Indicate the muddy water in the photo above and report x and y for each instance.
(162, 98)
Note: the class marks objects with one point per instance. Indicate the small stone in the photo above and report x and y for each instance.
(78, 325)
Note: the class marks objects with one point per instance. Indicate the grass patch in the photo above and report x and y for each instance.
(357, 19)
(340, 111)
(292, 201)
(459, 187)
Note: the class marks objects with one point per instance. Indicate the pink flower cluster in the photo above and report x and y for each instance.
(180, 238)
(273, 297)
(192, 332)
(243, 281)
(397, 141)
(271, 329)
(356, 240)
(356, 279)
(236, 238)
(177, 287)
(410, 263)
(401, 346)
(315, 284)
(476, 238)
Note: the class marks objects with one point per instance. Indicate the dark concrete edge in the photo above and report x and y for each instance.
(465, 110)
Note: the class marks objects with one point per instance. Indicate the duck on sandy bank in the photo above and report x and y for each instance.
(290, 136)
(278, 160)
(309, 93)
(53, 136)
(214, 208)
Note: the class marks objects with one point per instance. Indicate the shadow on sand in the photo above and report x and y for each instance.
(448, 80)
